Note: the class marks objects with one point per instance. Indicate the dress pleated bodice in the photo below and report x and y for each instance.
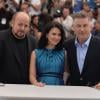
(50, 66)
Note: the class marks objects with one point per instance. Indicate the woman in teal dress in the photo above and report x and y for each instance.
(47, 64)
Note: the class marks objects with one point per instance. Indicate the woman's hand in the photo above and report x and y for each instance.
(40, 84)
(97, 86)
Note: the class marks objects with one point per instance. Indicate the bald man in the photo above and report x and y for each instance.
(16, 45)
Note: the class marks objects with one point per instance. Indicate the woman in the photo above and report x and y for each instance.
(48, 61)
(35, 27)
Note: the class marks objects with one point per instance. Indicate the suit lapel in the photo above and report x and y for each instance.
(88, 55)
(75, 58)
(75, 61)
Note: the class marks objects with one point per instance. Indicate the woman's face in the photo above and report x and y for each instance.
(36, 20)
(2, 4)
(54, 37)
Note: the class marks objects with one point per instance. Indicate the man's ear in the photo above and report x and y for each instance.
(91, 25)
(11, 23)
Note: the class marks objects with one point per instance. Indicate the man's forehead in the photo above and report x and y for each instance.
(21, 16)
(81, 19)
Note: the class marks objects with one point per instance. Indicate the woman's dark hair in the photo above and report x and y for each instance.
(44, 41)
(67, 6)
(32, 24)
(32, 17)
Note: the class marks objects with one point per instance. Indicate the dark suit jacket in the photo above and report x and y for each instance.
(11, 68)
(91, 70)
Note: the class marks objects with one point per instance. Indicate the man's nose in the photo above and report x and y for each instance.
(81, 28)
(23, 27)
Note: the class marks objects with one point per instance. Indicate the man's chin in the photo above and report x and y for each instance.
(19, 36)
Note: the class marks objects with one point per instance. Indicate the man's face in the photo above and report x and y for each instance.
(24, 8)
(82, 28)
(20, 26)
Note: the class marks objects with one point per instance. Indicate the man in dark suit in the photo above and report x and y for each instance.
(83, 54)
(16, 46)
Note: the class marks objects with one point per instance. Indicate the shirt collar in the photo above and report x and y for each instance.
(86, 43)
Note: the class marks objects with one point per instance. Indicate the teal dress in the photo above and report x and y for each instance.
(50, 66)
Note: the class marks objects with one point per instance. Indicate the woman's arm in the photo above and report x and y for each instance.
(32, 71)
